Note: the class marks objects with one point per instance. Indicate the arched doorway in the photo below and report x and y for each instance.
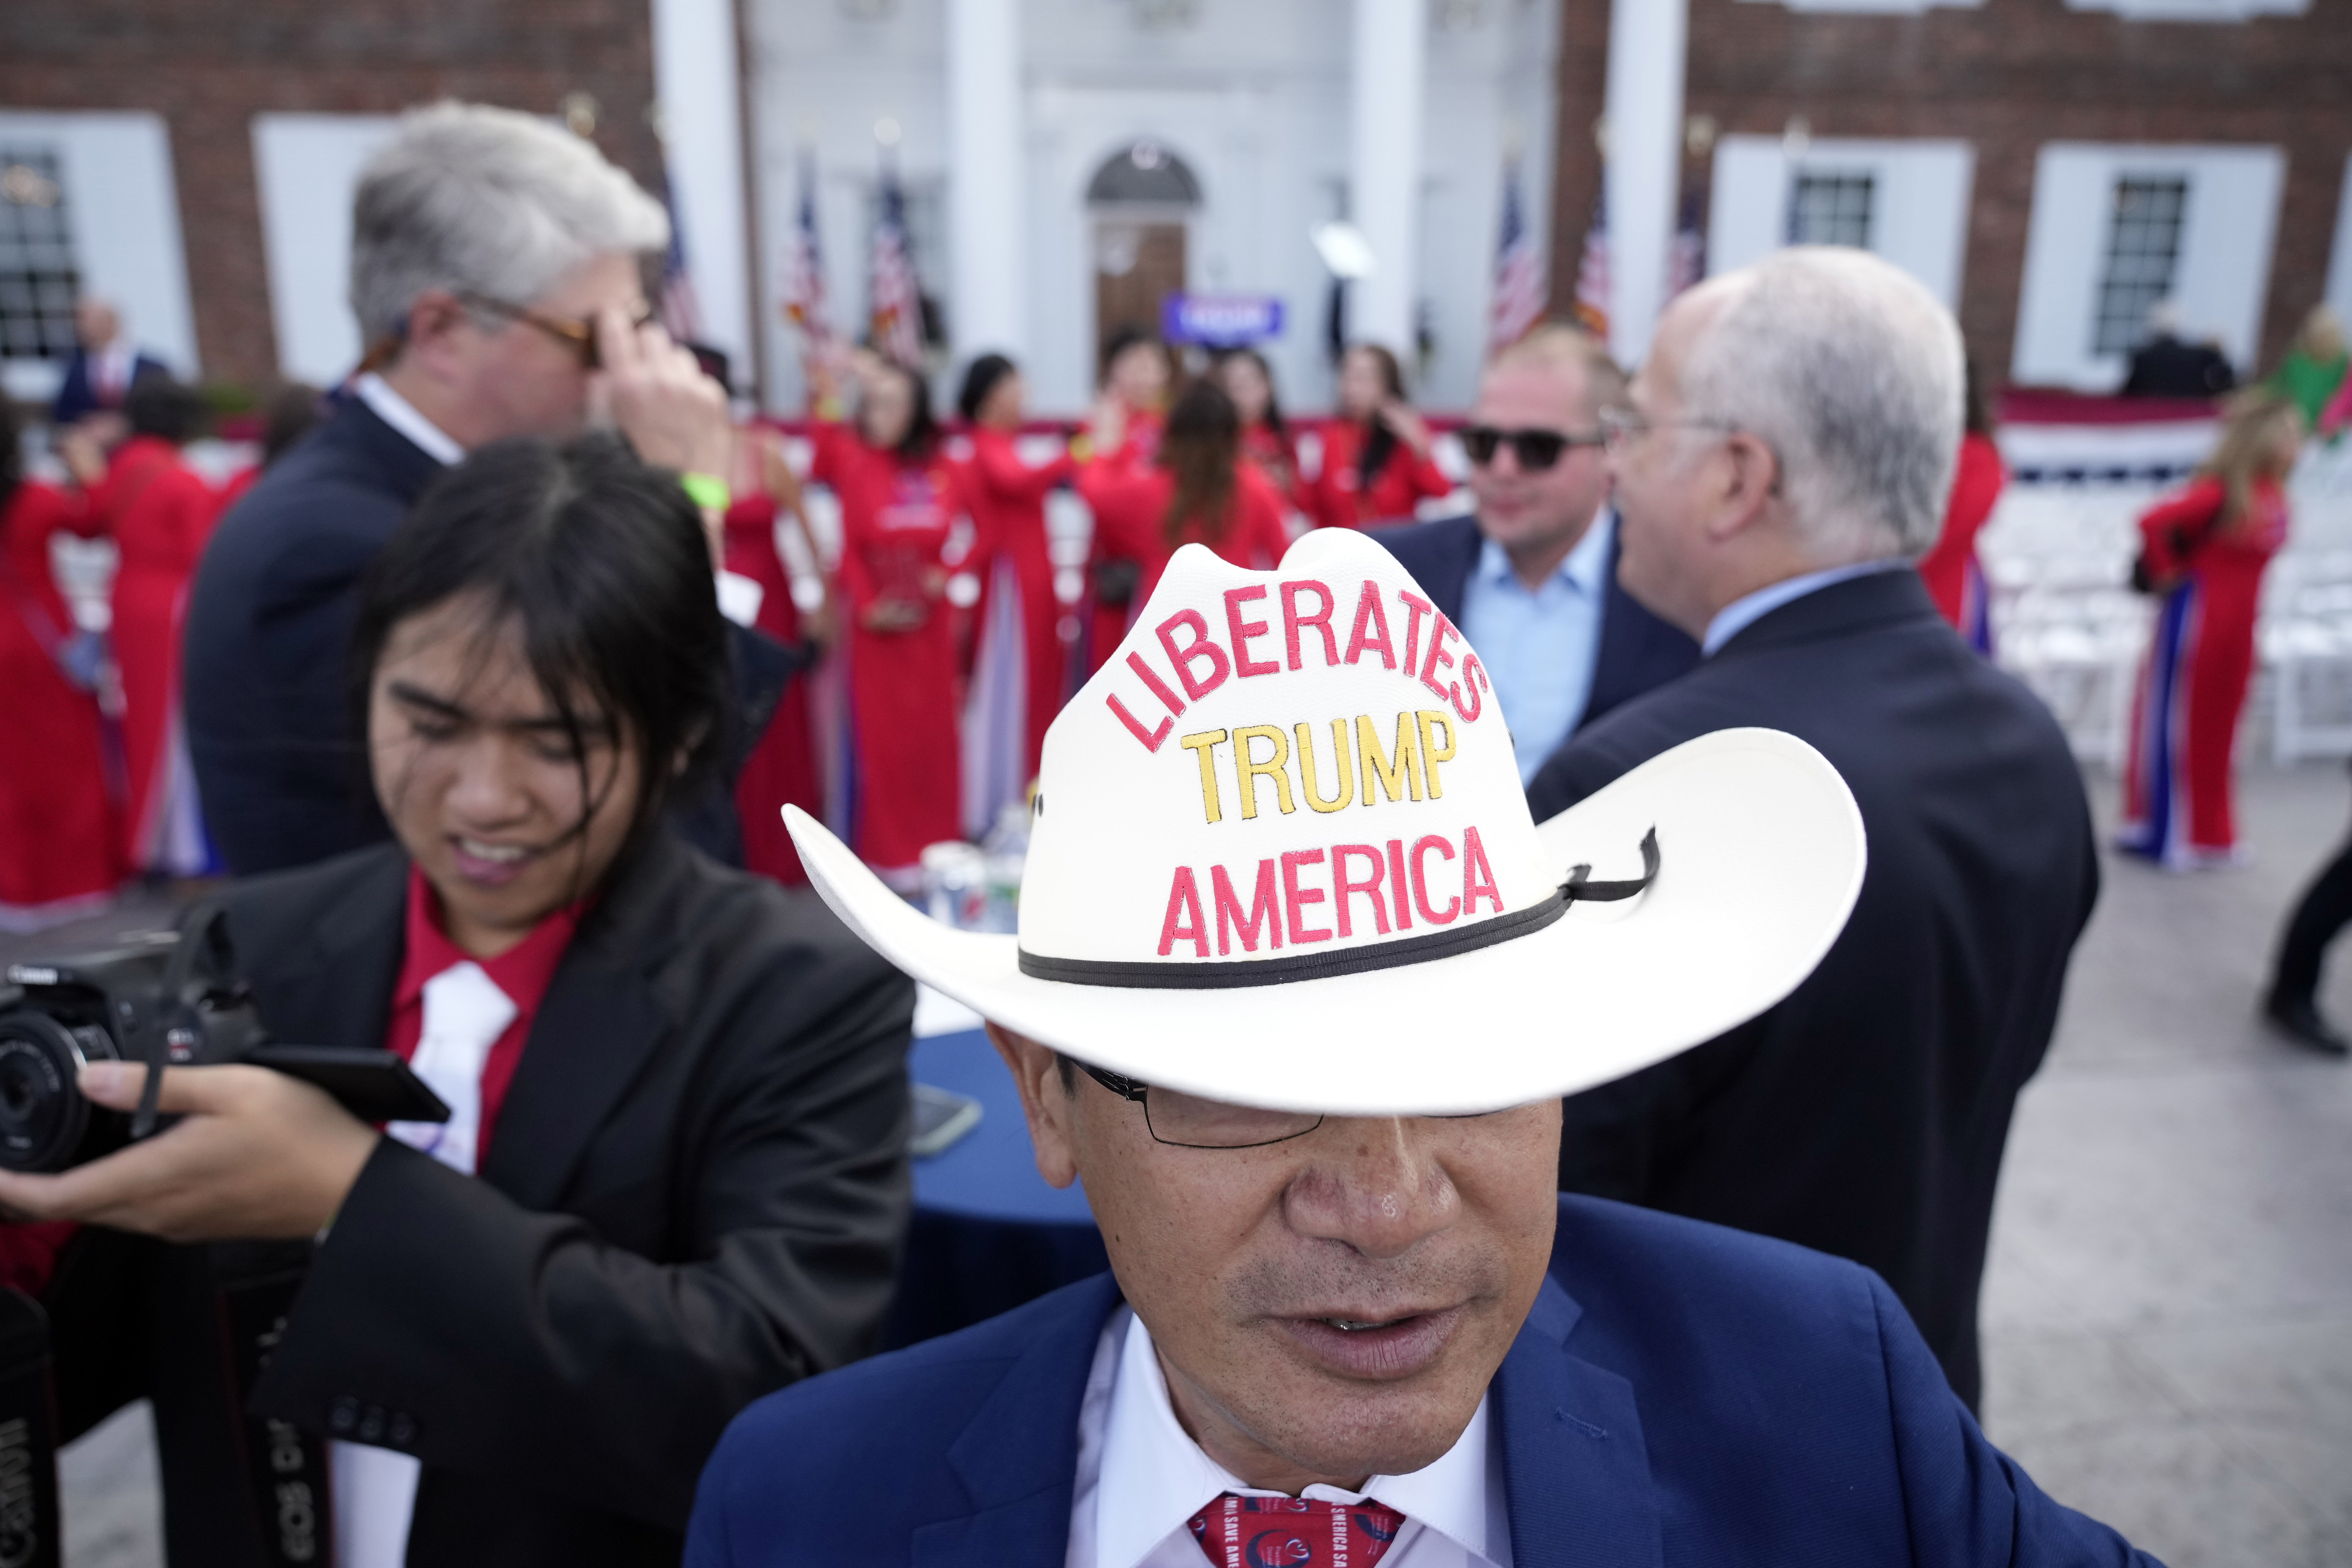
(1141, 203)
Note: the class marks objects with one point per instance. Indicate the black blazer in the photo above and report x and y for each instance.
(1637, 651)
(77, 394)
(1865, 1114)
(266, 651)
(696, 1192)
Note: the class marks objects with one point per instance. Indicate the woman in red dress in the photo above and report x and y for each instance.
(1954, 578)
(1248, 380)
(1019, 618)
(1377, 466)
(900, 498)
(783, 768)
(160, 512)
(60, 851)
(1199, 491)
(1136, 374)
(2205, 551)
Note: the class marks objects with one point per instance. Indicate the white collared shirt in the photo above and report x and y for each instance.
(1140, 1478)
(1742, 612)
(1540, 646)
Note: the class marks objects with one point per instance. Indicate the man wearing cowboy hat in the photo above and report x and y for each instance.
(1298, 988)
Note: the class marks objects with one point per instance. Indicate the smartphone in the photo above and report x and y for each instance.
(374, 1086)
(940, 1118)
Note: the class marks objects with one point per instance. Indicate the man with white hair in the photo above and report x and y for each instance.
(1780, 461)
(496, 273)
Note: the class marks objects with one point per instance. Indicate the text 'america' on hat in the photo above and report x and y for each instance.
(1280, 856)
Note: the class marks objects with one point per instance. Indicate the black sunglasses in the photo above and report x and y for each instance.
(1535, 449)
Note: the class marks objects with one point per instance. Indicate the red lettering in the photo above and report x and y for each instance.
(1201, 647)
(1183, 898)
(1295, 896)
(1342, 885)
(1150, 678)
(1242, 631)
(1293, 623)
(1151, 738)
(1474, 676)
(1415, 606)
(1438, 656)
(1368, 614)
(1421, 880)
(1264, 910)
(1477, 876)
(1397, 891)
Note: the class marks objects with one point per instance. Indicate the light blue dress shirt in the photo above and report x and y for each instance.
(1539, 645)
(1741, 613)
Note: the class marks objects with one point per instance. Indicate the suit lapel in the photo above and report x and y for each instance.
(329, 982)
(599, 1023)
(1018, 1456)
(1577, 1473)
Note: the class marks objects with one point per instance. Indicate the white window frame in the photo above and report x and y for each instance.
(1921, 190)
(125, 211)
(307, 167)
(2227, 236)
(2339, 260)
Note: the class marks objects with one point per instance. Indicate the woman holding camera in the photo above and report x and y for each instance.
(674, 1176)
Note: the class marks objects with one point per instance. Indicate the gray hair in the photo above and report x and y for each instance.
(1854, 374)
(490, 201)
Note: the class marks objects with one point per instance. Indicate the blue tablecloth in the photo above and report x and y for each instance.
(988, 1233)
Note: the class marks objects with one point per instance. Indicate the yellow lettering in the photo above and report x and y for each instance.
(1249, 768)
(1430, 755)
(1339, 759)
(1205, 745)
(1401, 778)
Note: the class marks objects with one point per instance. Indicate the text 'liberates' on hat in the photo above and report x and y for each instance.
(1280, 856)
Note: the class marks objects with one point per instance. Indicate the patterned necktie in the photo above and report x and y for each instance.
(1294, 1533)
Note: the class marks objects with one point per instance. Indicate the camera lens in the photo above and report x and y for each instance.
(43, 1114)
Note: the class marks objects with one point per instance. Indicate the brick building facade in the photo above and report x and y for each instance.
(2008, 77)
(208, 67)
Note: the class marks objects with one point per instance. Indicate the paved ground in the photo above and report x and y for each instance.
(2168, 1308)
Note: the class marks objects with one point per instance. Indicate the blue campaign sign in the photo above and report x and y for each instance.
(1220, 320)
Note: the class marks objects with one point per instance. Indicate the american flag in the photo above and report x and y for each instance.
(897, 308)
(681, 312)
(1686, 262)
(1520, 287)
(1593, 272)
(804, 273)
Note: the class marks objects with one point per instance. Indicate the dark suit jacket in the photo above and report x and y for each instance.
(1637, 651)
(1865, 1114)
(2167, 367)
(77, 394)
(267, 648)
(696, 1192)
(1680, 1394)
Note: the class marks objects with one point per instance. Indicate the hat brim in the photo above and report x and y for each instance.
(1761, 858)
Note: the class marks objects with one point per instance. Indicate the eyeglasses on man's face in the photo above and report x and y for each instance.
(1535, 450)
(578, 334)
(1189, 1121)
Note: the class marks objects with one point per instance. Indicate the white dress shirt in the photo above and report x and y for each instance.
(1140, 1478)
(1740, 614)
(1540, 646)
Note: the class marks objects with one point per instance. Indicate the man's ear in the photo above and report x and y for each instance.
(1747, 483)
(433, 317)
(1045, 1102)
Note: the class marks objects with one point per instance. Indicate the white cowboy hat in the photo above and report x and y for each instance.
(1280, 856)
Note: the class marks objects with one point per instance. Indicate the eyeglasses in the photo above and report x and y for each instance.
(1619, 425)
(1535, 449)
(579, 336)
(1188, 1121)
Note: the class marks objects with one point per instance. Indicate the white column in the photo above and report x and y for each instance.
(1646, 42)
(1384, 183)
(986, 220)
(694, 81)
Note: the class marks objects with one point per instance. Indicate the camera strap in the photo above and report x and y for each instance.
(28, 1437)
(287, 1465)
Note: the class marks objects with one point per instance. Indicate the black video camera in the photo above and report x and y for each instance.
(163, 998)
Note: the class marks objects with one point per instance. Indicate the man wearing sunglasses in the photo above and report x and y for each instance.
(1531, 578)
(496, 272)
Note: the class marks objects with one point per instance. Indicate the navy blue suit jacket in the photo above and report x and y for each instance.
(77, 396)
(1638, 651)
(1866, 1113)
(1680, 1394)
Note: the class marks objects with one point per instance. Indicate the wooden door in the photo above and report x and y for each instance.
(1137, 266)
